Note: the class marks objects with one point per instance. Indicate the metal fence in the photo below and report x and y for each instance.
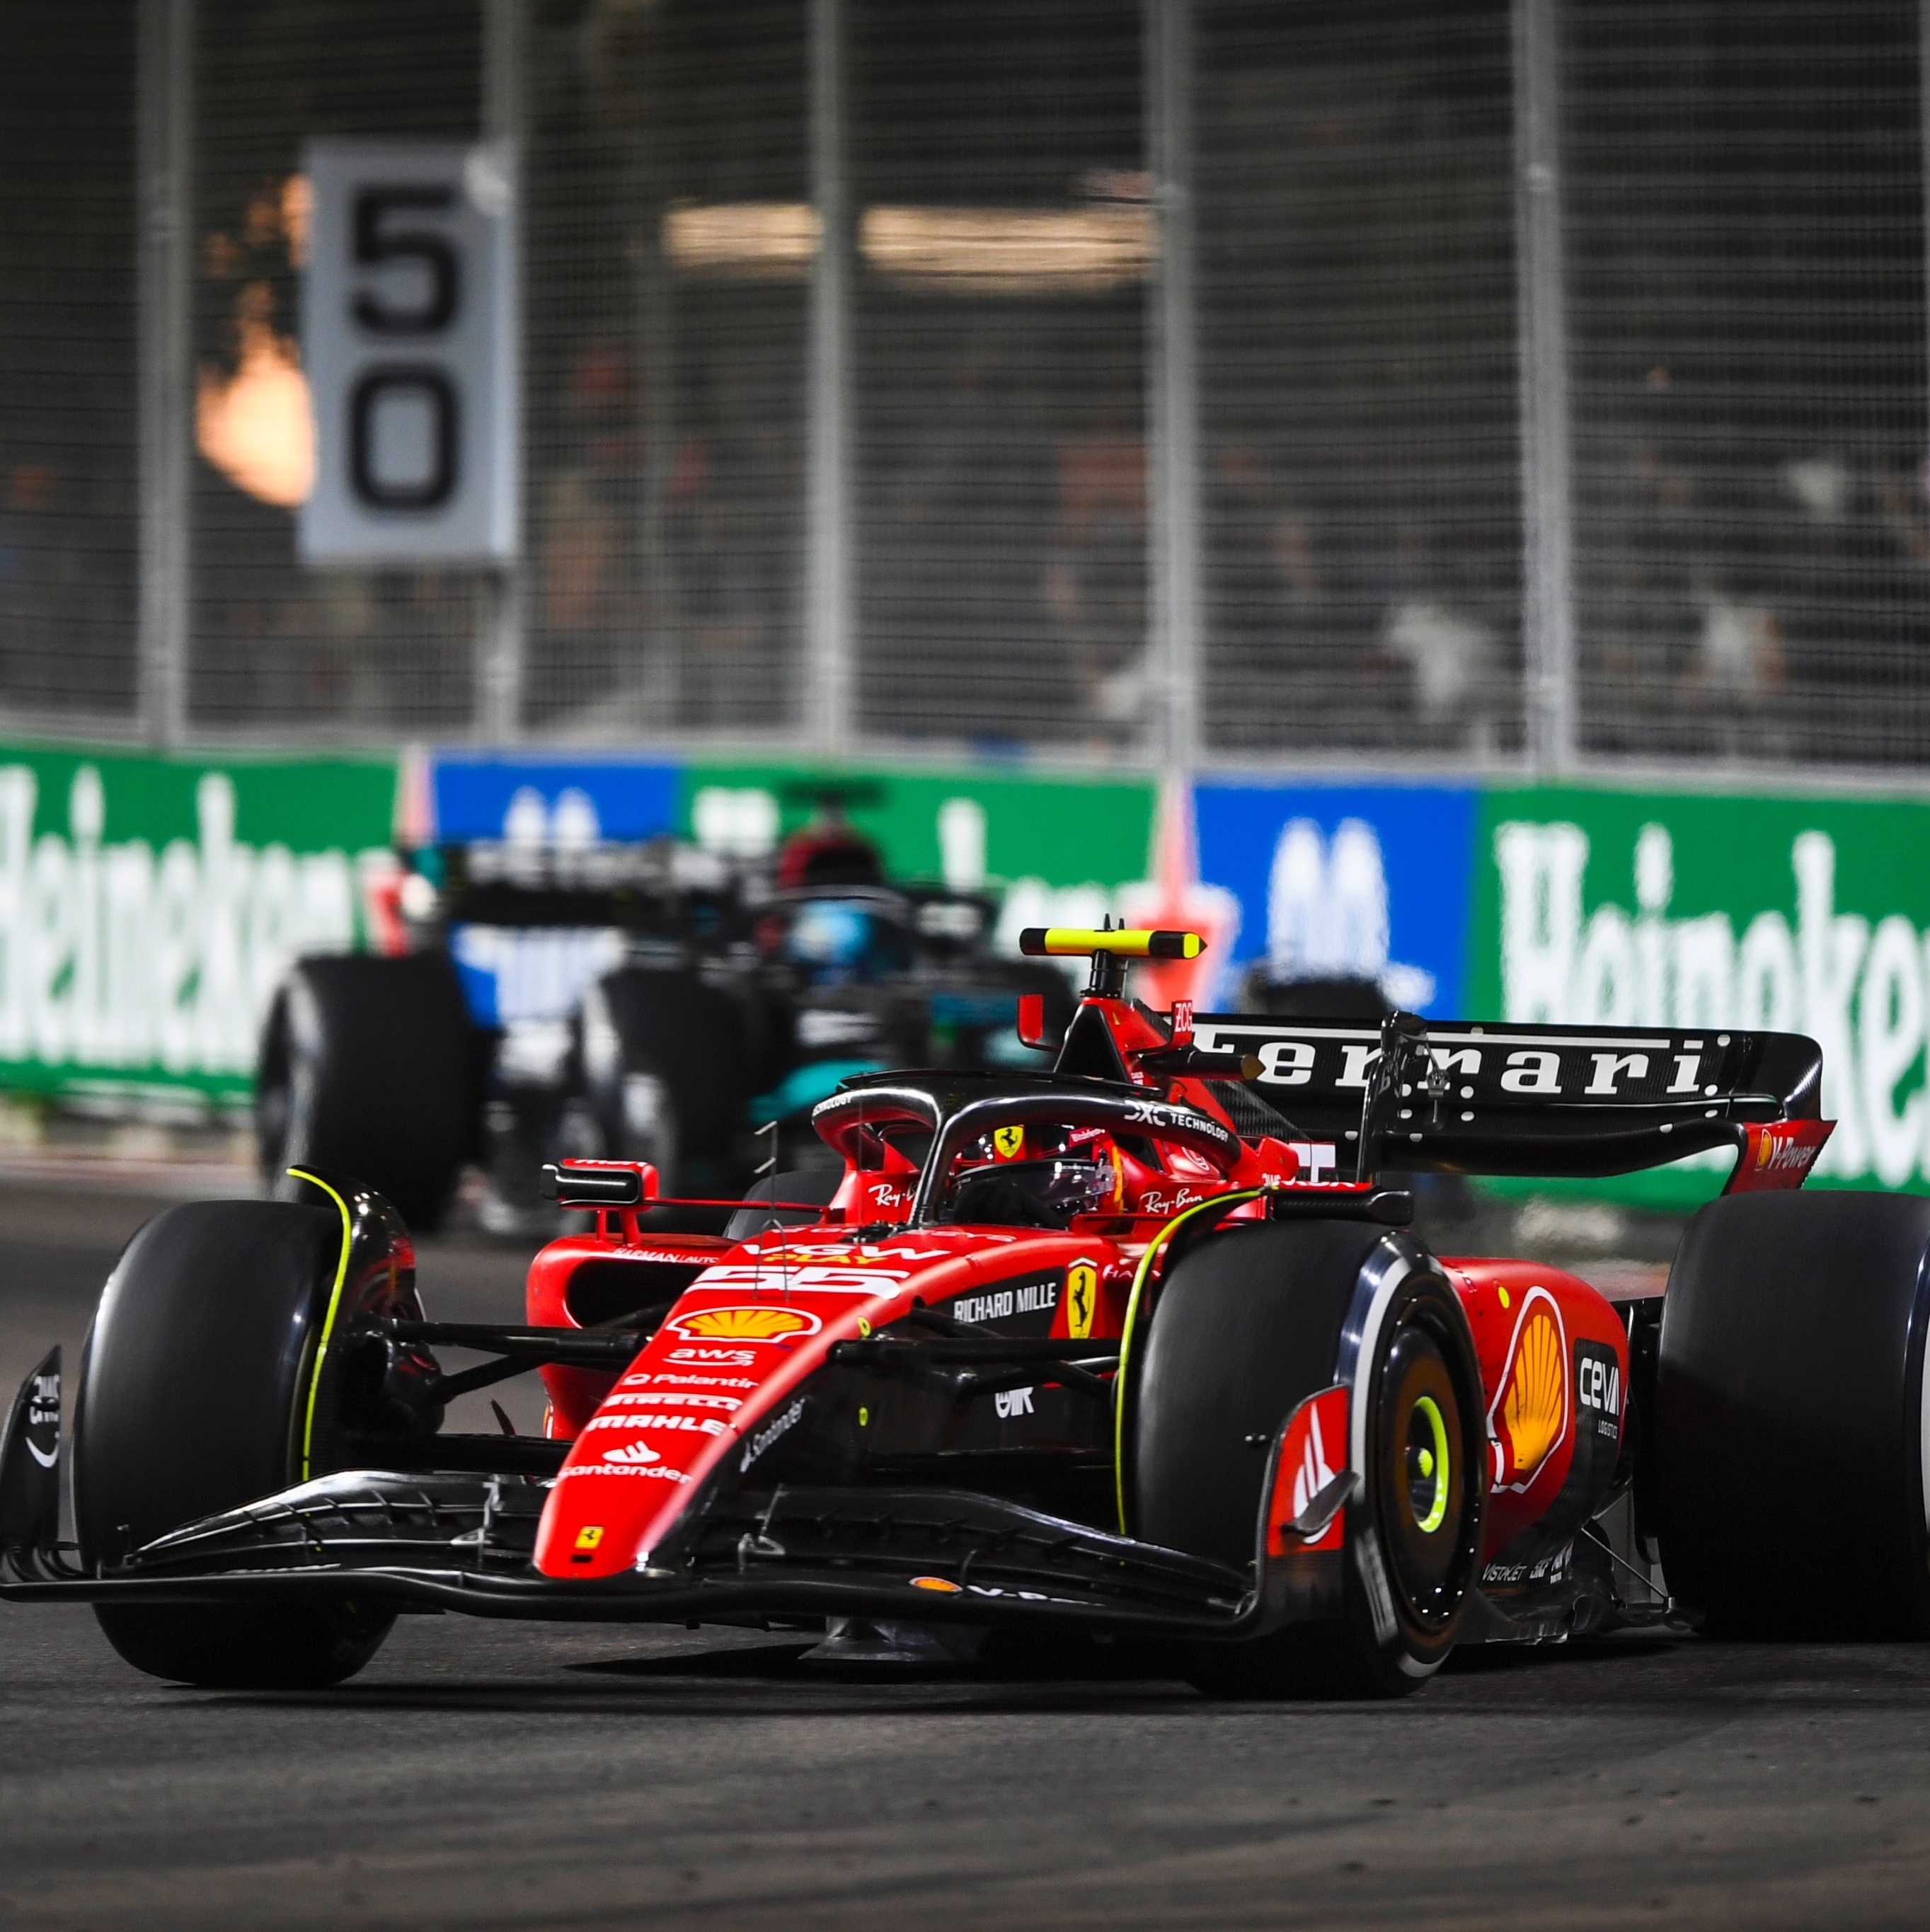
(1744, 224)
(274, 648)
(667, 316)
(1538, 384)
(67, 549)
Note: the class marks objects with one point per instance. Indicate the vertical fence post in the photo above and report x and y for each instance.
(165, 149)
(1923, 135)
(1548, 473)
(829, 602)
(500, 646)
(661, 685)
(1174, 603)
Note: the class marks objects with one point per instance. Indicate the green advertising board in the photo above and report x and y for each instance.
(1611, 907)
(148, 906)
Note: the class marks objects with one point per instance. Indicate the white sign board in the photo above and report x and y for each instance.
(410, 343)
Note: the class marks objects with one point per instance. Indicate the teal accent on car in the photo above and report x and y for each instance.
(804, 1087)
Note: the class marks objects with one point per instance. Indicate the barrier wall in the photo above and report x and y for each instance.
(1593, 905)
(147, 906)
(1697, 910)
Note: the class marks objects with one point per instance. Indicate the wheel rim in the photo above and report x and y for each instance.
(1426, 1504)
(1430, 1465)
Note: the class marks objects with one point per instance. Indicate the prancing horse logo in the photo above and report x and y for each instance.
(1081, 1298)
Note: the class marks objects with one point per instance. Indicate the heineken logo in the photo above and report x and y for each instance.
(150, 955)
(1854, 981)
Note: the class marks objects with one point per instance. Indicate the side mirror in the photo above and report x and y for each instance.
(1032, 1022)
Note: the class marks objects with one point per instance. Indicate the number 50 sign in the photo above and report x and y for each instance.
(409, 338)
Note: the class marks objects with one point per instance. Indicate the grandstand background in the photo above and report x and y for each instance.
(1447, 383)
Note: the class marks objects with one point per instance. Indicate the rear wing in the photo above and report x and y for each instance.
(1466, 1098)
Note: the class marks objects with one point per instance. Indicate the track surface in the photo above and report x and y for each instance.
(494, 1775)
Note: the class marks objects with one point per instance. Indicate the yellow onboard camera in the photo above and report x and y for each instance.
(1076, 942)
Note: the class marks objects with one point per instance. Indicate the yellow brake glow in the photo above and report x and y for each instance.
(329, 1320)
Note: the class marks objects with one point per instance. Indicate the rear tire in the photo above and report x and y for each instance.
(1789, 1444)
(663, 1056)
(1248, 1326)
(193, 1400)
(804, 1184)
(366, 1069)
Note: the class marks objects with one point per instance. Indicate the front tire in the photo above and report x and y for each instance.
(303, 1647)
(1249, 1326)
(194, 1398)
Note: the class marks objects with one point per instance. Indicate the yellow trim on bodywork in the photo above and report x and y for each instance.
(329, 1320)
(1220, 1201)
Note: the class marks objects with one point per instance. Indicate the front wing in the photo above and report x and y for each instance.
(463, 1542)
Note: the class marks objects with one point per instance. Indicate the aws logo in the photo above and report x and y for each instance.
(1530, 1411)
(744, 1324)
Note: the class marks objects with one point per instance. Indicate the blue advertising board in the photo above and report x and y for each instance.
(1371, 881)
(568, 801)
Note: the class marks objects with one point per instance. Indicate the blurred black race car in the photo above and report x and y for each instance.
(646, 1001)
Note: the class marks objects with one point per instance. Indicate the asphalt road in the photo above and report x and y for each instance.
(494, 1775)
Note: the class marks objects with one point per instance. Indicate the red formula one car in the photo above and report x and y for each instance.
(1139, 1344)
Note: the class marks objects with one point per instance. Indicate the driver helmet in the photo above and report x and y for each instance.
(1043, 1187)
(829, 851)
(829, 935)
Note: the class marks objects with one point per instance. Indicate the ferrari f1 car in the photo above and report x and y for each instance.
(1139, 1344)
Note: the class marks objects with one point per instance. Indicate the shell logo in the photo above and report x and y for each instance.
(1530, 1413)
(744, 1324)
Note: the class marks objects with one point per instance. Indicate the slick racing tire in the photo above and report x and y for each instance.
(1790, 1443)
(366, 1069)
(193, 1400)
(663, 1055)
(1249, 1325)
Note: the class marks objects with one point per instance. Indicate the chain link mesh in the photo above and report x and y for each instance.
(1745, 223)
(1357, 325)
(1004, 246)
(1742, 215)
(669, 250)
(68, 510)
(276, 649)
